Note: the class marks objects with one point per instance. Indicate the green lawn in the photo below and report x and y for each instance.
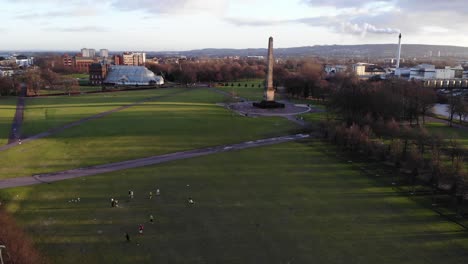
(183, 121)
(289, 203)
(7, 113)
(45, 113)
(239, 89)
(448, 132)
(82, 89)
(77, 75)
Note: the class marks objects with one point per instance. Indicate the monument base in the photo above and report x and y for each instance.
(268, 105)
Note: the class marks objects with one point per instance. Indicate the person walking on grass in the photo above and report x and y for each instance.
(190, 201)
(151, 219)
(130, 194)
(127, 237)
(150, 195)
(140, 229)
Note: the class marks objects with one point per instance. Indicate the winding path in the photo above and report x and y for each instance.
(89, 171)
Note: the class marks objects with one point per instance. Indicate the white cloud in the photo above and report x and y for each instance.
(78, 29)
(173, 6)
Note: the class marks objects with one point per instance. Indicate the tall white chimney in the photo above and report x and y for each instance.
(399, 52)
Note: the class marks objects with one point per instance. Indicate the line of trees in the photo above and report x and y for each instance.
(381, 120)
(394, 99)
(211, 71)
(35, 80)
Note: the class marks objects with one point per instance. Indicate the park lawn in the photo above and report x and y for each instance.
(82, 89)
(44, 113)
(288, 203)
(7, 113)
(448, 132)
(315, 117)
(250, 93)
(90, 88)
(184, 121)
(77, 75)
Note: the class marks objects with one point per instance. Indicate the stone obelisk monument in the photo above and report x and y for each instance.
(269, 94)
(269, 88)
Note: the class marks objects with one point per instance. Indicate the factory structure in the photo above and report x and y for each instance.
(431, 75)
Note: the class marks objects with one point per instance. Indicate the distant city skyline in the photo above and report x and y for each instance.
(178, 25)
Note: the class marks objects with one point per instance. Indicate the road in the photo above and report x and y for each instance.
(89, 171)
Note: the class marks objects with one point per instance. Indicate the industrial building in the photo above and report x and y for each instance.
(132, 75)
(428, 71)
(367, 70)
(334, 69)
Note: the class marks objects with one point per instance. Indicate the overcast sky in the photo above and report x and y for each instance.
(157, 25)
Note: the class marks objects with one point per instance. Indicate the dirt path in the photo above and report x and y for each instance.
(89, 171)
(79, 122)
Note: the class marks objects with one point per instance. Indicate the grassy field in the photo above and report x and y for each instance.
(239, 89)
(7, 113)
(289, 203)
(81, 90)
(77, 75)
(448, 132)
(184, 121)
(45, 113)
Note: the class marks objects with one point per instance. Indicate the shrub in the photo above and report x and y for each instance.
(19, 249)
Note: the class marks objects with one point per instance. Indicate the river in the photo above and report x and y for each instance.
(441, 109)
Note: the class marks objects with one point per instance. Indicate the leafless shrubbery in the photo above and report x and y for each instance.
(19, 248)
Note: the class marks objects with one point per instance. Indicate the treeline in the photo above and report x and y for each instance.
(211, 71)
(355, 100)
(36, 79)
(381, 121)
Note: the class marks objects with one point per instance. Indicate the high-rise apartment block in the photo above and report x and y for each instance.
(88, 53)
(104, 53)
(134, 58)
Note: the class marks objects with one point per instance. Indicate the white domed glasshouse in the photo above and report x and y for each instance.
(132, 75)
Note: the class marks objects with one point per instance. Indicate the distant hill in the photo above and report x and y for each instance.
(331, 51)
(355, 51)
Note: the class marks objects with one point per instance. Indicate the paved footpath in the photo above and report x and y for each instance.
(89, 171)
(439, 120)
(78, 122)
(15, 132)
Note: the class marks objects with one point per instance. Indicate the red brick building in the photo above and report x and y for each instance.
(97, 73)
(118, 60)
(67, 60)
